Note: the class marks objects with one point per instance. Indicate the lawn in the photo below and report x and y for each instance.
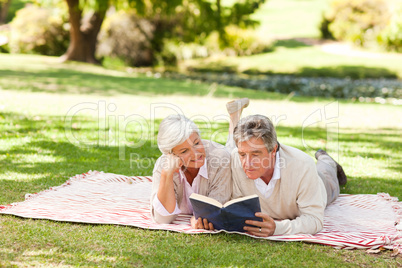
(291, 18)
(294, 57)
(49, 133)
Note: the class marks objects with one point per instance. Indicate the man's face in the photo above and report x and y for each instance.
(255, 159)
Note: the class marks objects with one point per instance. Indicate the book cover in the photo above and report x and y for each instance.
(230, 216)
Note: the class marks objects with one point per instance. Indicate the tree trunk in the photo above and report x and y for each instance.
(221, 30)
(4, 6)
(83, 33)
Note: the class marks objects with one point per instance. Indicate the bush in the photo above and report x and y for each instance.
(174, 51)
(4, 38)
(324, 28)
(245, 42)
(391, 37)
(39, 31)
(239, 42)
(162, 40)
(358, 21)
(127, 37)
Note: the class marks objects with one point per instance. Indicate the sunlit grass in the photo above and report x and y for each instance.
(290, 18)
(302, 60)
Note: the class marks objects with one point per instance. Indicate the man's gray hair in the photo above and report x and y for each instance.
(174, 130)
(256, 126)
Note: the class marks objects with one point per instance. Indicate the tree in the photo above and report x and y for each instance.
(184, 19)
(4, 6)
(84, 31)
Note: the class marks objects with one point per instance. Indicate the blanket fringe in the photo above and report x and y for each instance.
(394, 243)
(397, 207)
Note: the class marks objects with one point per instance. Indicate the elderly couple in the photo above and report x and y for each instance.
(292, 189)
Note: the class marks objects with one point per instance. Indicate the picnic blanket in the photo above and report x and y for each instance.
(351, 222)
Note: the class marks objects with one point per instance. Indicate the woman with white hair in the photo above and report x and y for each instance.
(188, 165)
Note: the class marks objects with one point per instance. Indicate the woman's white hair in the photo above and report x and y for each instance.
(173, 131)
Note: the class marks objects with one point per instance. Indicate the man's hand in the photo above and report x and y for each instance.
(201, 224)
(265, 228)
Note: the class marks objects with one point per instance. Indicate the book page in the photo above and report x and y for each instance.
(239, 199)
(206, 199)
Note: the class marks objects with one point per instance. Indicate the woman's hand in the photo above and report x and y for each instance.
(265, 228)
(172, 164)
(201, 224)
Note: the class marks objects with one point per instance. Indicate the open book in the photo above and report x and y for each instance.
(230, 216)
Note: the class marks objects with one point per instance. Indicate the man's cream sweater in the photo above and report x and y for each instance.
(299, 198)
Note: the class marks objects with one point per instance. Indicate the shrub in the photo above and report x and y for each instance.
(127, 37)
(324, 28)
(4, 38)
(39, 31)
(174, 50)
(239, 42)
(358, 21)
(245, 42)
(391, 37)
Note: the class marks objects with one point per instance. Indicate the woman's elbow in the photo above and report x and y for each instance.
(163, 219)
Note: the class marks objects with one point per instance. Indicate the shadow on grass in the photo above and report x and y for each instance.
(289, 43)
(41, 157)
(354, 72)
(385, 139)
(70, 81)
(73, 82)
(382, 185)
(76, 82)
(215, 67)
(345, 71)
(68, 160)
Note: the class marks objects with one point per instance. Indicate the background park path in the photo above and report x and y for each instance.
(346, 49)
(204, 108)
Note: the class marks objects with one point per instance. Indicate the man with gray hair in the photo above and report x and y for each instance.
(293, 190)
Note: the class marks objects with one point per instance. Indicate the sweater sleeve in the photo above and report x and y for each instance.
(311, 201)
(156, 177)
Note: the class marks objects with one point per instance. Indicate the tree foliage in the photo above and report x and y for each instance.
(38, 30)
(183, 20)
(357, 21)
(192, 18)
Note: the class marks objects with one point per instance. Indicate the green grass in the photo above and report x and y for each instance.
(291, 18)
(293, 57)
(32, 73)
(35, 154)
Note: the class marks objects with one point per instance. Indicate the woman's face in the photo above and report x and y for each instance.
(191, 151)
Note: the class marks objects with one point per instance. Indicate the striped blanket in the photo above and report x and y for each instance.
(352, 221)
